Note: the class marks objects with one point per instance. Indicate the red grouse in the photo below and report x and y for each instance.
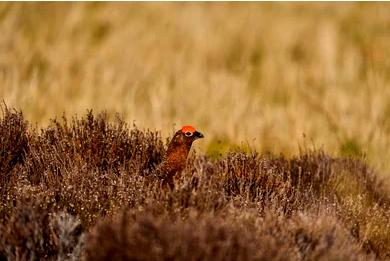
(175, 157)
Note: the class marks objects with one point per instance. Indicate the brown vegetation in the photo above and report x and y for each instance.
(77, 190)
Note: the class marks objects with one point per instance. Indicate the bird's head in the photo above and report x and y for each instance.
(186, 135)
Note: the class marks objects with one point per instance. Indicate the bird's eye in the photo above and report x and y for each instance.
(188, 134)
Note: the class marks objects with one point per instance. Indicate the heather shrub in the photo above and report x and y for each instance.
(94, 144)
(240, 236)
(25, 234)
(84, 189)
(30, 232)
(13, 140)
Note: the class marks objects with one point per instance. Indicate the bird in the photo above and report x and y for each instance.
(175, 157)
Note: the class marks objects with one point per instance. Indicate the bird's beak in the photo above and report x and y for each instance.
(198, 135)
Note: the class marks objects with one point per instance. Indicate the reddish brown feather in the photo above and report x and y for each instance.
(175, 157)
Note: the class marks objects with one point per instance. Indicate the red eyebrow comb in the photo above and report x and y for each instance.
(187, 128)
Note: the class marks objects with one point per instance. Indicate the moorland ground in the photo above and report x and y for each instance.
(84, 189)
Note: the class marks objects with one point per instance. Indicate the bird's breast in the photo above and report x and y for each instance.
(175, 160)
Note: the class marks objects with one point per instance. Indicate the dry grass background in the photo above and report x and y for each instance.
(259, 73)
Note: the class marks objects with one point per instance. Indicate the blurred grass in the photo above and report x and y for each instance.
(265, 74)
